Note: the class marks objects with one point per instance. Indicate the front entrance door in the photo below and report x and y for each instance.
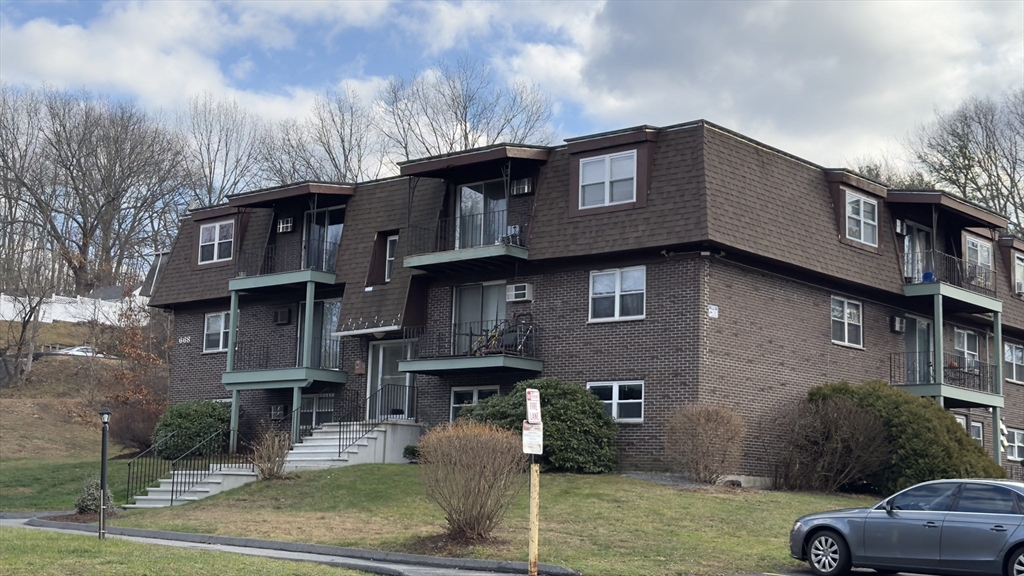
(917, 253)
(315, 410)
(389, 394)
(919, 351)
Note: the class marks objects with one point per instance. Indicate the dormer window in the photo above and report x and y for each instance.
(608, 180)
(861, 219)
(1018, 274)
(215, 242)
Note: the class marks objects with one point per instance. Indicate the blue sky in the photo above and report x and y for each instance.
(829, 81)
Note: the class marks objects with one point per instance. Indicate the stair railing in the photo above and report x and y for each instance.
(146, 468)
(203, 460)
(389, 402)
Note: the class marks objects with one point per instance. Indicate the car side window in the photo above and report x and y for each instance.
(929, 498)
(986, 499)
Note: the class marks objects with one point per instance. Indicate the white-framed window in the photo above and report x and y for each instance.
(608, 180)
(961, 420)
(623, 401)
(979, 253)
(215, 241)
(215, 334)
(389, 258)
(1018, 274)
(1015, 444)
(966, 344)
(847, 322)
(861, 219)
(978, 433)
(469, 396)
(1013, 361)
(618, 294)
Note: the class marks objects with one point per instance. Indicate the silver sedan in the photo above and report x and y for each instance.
(954, 527)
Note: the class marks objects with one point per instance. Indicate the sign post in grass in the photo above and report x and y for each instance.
(533, 444)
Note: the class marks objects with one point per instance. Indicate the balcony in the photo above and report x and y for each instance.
(471, 242)
(966, 382)
(931, 272)
(486, 346)
(260, 365)
(291, 261)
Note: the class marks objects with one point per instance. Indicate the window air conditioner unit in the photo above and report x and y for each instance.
(277, 412)
(283, 316)
(1019, 287)
(521, 186)
(899, 324)
(901, 227)
(284, 225)
(519, 293)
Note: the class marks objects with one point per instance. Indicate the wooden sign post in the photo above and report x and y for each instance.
(533, 444)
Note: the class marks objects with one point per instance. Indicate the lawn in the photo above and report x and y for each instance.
(599, 525)
(54, 483)
(37, 553)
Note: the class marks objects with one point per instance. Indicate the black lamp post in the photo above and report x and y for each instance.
(105, 418)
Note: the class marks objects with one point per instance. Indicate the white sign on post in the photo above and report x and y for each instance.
(533, 438)
(532, 406)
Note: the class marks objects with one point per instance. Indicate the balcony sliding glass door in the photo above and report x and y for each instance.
(481, 214)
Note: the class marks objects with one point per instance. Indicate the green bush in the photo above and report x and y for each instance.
(578, 435)
(192, 423)
(927, 442)
(88, 501)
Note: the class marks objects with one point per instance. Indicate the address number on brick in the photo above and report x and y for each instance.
(184, 339)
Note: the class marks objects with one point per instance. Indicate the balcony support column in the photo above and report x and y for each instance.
(937, 332)
(232, 330)
(234, 421)
(997, 432)
(307, 327)
(296, 414)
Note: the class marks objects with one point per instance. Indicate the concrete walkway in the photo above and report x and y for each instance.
(388, 563)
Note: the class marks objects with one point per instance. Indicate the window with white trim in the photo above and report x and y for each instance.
(623, 401)
(215, 241)
(961, 420)
(966, 344)
(389, 259)
(861, 219)
(1018, 274)
(1015, 444)
(469, 396)
(1013, 361)
(978, 433)
(215, 334)
(608, 180)
(979, 253)
(618, 294)
(846, 322)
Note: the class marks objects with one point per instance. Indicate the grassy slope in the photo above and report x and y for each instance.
(54, 483)
(597, 524)
(36, 553)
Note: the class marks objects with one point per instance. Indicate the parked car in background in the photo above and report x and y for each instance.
(81, 351)
(940, 527)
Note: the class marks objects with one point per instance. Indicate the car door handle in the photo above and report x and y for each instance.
(934, 525)
(997, 529)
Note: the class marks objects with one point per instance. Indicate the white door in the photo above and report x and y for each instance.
(389, 394)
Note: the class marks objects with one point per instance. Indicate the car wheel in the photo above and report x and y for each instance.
(828, 555)
(1015, 567)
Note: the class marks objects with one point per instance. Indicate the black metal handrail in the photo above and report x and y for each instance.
(389, 402)
(910, 368)
(485, 338)
(935, 266)
(204, 459)
(288, 255)
(146, 468)
(489, 228)
(250, 355)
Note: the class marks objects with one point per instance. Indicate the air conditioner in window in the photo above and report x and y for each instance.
(1019, 288)
(284, 225)
(521, 186)
(898, 324)
(519, 292)
(901, 227)
(277, 412)
(283, 316)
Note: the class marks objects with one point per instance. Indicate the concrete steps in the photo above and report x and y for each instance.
(383, 444)
(210, 482)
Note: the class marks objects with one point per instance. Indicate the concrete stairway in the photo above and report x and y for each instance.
(218, 480)
(382, 445)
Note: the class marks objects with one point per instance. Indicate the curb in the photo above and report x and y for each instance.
(354, 553)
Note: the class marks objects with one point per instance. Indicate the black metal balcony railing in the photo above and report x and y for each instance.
(934, 266)
(490, 337)
(288, 255)
(263, 356)
(497, 227)
(909, 368)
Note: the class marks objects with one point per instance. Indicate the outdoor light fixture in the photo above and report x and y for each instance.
(105, 419)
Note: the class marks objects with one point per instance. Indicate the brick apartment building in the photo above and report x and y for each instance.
(656, 266)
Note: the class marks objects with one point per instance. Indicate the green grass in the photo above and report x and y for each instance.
(37, 553)
(600, 525)
(54, 483)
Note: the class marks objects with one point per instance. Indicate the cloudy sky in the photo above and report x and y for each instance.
(829, 81)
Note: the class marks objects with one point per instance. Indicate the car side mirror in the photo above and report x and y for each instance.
(888, 506)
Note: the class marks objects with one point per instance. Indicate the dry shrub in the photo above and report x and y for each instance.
(828, 445)
(706, 442)
(133, 422)
(269, 451)
(473, 471)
